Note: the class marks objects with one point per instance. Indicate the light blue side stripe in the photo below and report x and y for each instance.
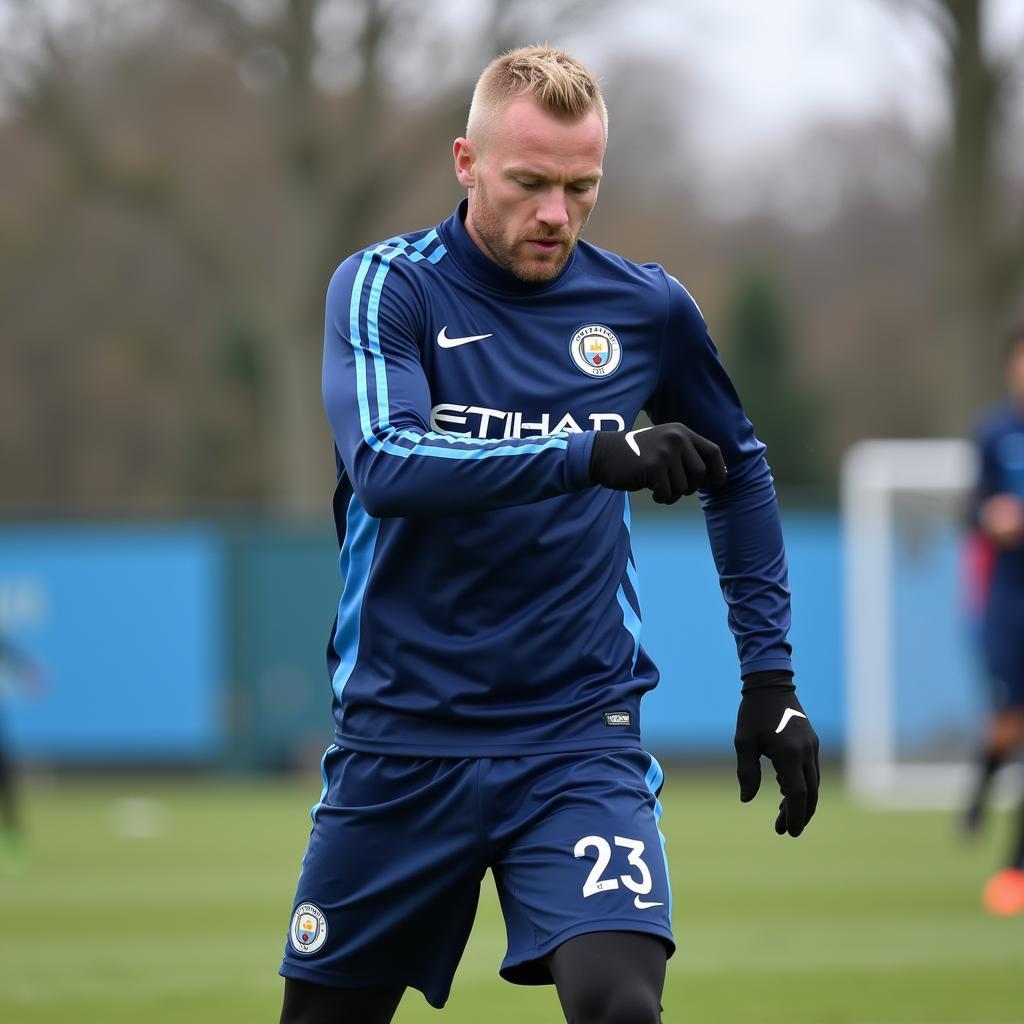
(355, 561)
(631, 621)
(654, 778)
(630, 567)
(323, 775)
(423, 442)
(633, 579)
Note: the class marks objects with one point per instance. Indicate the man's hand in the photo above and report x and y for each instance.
(772, 722)
(1002, 518)
(670, 460)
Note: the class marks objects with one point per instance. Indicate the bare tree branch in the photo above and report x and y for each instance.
(51, 100)
(237, 33)
(933, 12)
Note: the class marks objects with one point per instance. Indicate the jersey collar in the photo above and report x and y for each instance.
(479, 266)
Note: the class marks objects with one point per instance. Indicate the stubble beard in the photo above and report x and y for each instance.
(489, 230)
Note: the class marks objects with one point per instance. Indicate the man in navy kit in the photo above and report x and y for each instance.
(482, 379)
(17, 670)
(999, 519)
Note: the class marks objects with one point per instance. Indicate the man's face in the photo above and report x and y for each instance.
(1015, 372)
(532, 183)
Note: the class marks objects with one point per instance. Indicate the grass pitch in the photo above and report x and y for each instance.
(159, 901)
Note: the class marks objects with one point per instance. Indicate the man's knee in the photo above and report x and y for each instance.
(626, 1002)
(610, 978)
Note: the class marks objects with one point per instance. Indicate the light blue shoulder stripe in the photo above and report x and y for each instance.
(356, 342)
(373, 340)
(429, 443)
(423, 444)
(422, 244)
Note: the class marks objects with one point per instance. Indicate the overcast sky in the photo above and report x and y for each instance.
(765, 69)
(756, 72)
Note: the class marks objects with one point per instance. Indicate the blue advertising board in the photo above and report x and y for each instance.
(205, 643)
(117, 635)
(693, 709)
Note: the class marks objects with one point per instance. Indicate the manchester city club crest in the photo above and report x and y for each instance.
(309, 928)
(595, 350)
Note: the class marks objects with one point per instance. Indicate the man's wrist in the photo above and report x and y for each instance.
(578, 455)
(776, 678)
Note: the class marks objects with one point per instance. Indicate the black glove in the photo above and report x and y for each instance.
(670, 460)
(772, 722)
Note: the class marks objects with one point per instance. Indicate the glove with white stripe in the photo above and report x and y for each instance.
(772, 722)
(670, 460)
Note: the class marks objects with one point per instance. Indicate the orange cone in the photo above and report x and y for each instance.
(1004, 893)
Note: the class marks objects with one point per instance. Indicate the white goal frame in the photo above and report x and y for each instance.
(873, 473)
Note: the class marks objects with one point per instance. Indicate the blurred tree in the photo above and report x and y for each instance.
(345, 136)
(982, 264)
(179, 178)
(759, 341)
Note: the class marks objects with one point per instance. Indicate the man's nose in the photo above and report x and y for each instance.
(552, 210)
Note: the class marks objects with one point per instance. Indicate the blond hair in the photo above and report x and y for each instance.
(558, 83)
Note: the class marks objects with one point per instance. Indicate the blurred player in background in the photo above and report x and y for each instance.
(998, 559)
(17, 671)
(481, 380)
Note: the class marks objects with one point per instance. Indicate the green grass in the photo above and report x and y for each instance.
(867, 918)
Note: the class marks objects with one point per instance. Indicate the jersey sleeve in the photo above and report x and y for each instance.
(378, 404)
(742, 516)
(987, 483)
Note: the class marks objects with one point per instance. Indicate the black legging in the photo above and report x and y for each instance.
(610, 978)
(601, 978)
(8, 803)
(306, 1003)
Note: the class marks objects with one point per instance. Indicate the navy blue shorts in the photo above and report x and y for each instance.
(1004, 652)
(391, 878)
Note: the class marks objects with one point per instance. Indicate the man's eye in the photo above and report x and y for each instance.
(581, 190)
(530, 186)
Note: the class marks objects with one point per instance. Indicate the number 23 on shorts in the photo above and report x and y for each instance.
(595, 883)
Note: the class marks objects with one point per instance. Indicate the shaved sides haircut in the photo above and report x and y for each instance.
(558, 83)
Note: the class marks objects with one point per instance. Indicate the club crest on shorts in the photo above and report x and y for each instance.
(309, 928)
(595, 350)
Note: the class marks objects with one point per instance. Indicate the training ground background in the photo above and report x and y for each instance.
(164, 900)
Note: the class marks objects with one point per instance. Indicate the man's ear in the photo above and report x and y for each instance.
(465, 162)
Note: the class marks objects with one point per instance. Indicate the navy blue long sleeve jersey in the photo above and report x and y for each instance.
(491, 603)
(1000, 441)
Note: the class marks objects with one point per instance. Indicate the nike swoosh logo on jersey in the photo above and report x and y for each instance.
(445, 342)
(787, 715)
(644, 904)
(631, 439)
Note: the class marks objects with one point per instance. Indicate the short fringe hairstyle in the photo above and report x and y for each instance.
(560, 84)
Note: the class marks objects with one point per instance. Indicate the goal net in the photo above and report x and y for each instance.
(915, 685)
